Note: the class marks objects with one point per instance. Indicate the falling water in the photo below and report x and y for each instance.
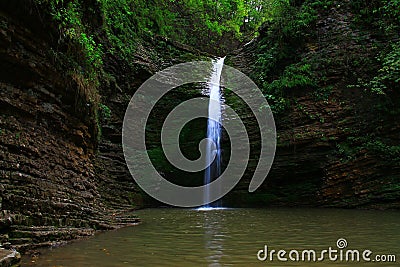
(214, 127)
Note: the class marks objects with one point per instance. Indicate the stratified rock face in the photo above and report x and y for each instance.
(48, 142)
(46, 149)
(325, 155)
(62, 168)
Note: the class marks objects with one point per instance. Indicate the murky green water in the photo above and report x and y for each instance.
(232, 237)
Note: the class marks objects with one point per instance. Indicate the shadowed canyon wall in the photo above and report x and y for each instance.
(63, 172)
(338, 143)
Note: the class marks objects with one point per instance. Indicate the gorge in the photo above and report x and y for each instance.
(329, 70)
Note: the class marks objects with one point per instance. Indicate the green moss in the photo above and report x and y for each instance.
(278, 71)
(374, 145)
(85, 50)
(105, 112)
(322, 93)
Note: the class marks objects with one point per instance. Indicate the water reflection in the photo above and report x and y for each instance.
(213, 226)
(230, 237)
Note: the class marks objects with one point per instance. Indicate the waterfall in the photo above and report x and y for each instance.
(214, 127)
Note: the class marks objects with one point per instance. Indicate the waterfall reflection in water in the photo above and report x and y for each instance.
(229, 237)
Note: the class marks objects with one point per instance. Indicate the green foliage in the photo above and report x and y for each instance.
(266, 61)
(384, 17)
(288, 29)
(299, 25)
(388, 78)
(219, 16)
(385, 84)
(213, 25)
(125, 21)
(293, 22)
(386, 151)
(391, 10)
(216, 25)
(105, 112)
(194, 22)
(295, 77)
(93, 50)
(377, 146)
(383, 14)
(322, 93)
(71, 26)
(374, 145)
(346, 151)
(393, 185)
(321, 4)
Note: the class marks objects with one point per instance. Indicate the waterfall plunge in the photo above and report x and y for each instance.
(214, 127)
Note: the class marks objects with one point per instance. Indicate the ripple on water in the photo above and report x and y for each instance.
(228, 237)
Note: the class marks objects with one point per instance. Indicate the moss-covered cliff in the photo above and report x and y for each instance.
(329, 69)
(63, 97)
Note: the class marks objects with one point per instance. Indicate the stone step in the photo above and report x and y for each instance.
(20, 241)
(40, 234)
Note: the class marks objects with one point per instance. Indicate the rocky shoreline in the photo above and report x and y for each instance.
(9, 258)
(28, 239)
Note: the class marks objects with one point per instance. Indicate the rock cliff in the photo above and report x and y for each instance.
(63, 173)
(336, 146)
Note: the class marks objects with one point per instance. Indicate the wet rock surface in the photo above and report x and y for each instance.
(9, 258)
(50, 191)
(62, 168)
(320, 160)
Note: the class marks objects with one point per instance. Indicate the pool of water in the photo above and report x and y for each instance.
(233, 237)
